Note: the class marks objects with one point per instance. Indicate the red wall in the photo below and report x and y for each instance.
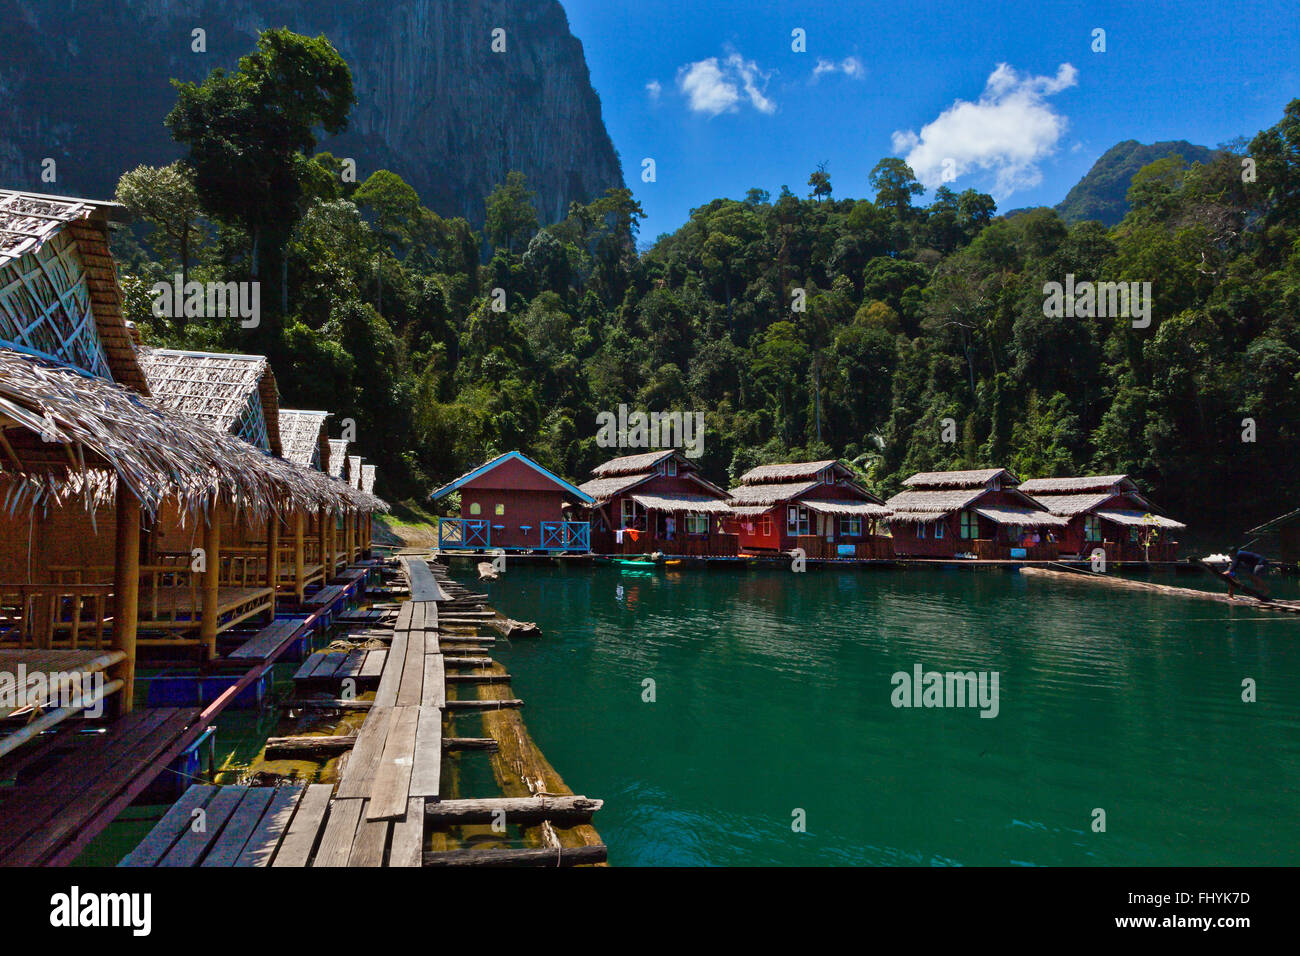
(779, 540)
(907, 543)
(521, 508)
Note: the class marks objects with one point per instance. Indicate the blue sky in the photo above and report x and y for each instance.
(1010, 95)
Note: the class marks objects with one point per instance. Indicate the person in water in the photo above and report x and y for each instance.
(1253, 564)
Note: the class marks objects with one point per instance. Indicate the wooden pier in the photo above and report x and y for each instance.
(388, 804)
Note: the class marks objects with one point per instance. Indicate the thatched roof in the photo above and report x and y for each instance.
(215, 388)
(1060, 486)
(602, 489)
(338, 457)
(353, 473)
(770, 494)
(30, 220)
(1070, 505)
(790, 471)
(68, 435)
(632, 464)
(847, 506)
(303, 436)
(676, 501)
(368, 479)
(1021, 515)
(958, 479)
(926, 505)
(1126, 516)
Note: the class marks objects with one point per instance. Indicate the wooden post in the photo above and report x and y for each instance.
(272, 555)
(332, 556)
(126, 591)
(347, 536)
(299, 572)
(370, 533)
(322, 541)
(211, 582)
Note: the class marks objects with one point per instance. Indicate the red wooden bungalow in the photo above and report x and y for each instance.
(1108, 512)
(657, 502)
(980, 514)
(814, 505)
(512, 503)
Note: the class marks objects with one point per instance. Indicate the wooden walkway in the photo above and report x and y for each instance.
(65, 780)
(1128, 584)
(391, 784)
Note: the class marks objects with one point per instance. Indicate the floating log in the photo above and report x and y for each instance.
(289, 747)
(564, 810)
(513, 628)
(470, 743)
(477, 678)
(467, 661)
(1110, 580)
(494, 704)
(559, 856)
(486, 571)
(326, 703)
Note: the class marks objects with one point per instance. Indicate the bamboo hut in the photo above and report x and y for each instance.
(1106, 512)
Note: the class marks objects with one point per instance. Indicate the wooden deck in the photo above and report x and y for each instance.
(391, 784)
(181, 609)
(65, 780)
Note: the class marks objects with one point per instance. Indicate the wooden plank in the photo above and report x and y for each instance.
(265, 840)
(391, 679)
(359, 773)
(408, 836)
(369, 843)
(412, 685)
(168, 830)
(300, 839)
(435, 682)
(329, 662)
(545, 856)
(340, 831)
(404, 613)
(307, 666)
(426, 774)
(351, 666)
(240, 827)
(392, 783)
(266, 641)
(193, 843)
(373, 666)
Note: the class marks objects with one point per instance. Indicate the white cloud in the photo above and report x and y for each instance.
(653, 88)
(850, 66)
(712, 86)
(1007, 132)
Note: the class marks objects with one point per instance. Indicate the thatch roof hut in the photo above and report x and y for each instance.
(304, 438)
(59, 295)
(338, 457)
(234, 393)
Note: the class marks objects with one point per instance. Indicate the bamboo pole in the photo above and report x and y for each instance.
(126, 591)
(322, 541)
(349, 535)
(211, 582)
(273, 555)
(332, 562)
(299, 571)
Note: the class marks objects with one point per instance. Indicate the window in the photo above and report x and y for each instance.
(475, 508)
(938, 528)
(920, 529)
(1091, 528)
(633, 514)
(796, 520)
(697, 524)
(670, 467)
(970, 525)
(500, 509)
(850, 526)
(1133, 534)
(765, 526)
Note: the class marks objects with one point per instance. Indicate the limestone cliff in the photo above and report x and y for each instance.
(86, 84)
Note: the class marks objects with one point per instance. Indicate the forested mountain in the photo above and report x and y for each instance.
(87, 85)
(1101, 194)
(912, 314)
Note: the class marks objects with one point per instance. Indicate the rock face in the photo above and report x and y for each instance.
(87, 85)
